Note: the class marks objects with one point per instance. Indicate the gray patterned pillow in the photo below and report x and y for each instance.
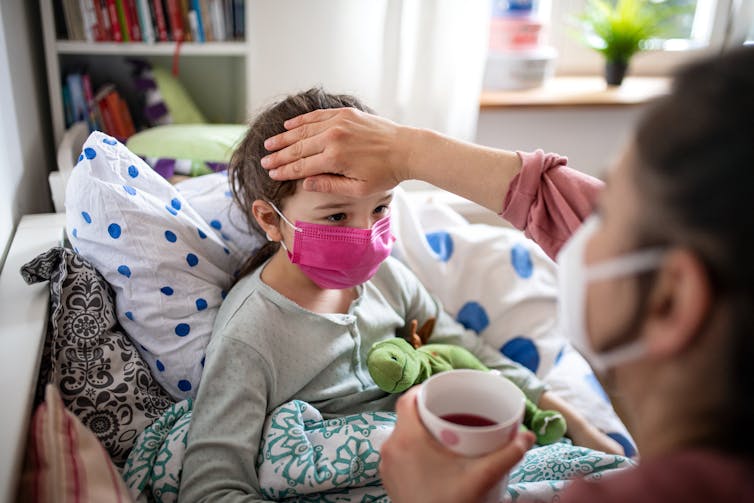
(101, 376)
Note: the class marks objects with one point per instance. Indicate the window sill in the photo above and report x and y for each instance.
(579, 92)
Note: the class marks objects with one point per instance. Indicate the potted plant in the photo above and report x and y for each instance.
(619, 30)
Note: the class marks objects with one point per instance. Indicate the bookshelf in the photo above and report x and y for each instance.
(215, 74)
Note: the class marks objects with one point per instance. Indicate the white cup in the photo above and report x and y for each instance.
(452, 404)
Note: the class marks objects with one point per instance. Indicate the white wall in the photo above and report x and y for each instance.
(590, 136)
(296, 45)
(25, 140)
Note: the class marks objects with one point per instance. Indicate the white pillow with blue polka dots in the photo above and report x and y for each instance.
(210, 196)
(169, 267)
(492, 280)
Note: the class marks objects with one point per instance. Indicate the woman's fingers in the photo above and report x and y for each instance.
(310, 117)
(292, 162)
(305, 126)
(492, 467)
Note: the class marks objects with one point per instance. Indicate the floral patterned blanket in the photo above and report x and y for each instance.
(306, 458)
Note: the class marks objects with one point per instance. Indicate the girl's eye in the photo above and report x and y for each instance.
(338, 217)
(383, 208)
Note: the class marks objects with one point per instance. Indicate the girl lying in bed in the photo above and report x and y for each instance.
(300, 321)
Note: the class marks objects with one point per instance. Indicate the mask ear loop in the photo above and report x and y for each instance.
(295, 228)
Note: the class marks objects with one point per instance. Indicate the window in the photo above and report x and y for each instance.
(699, 27)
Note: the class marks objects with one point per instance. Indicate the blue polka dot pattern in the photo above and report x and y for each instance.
(192, 259)
(523, 351)
(473, 316)
(124, 270)
(225, 236)
(75, 233)
(130, 315)
(87, 218)
(182, 329)
(442, 244)
(223, 294)
(90, 153)
(160, 366)
(167, 290)
(114, 230)
(227, 252)
(129, 190)
(216, 224)
(184, 385)
(109, 141)
(171, 210)
(133, 171)
(628, 447)
(201, 233)
(592, 381)
(175, 203)
(201, 304)
(202, 362)
(521, 261)
(81, 158)
(228, 193)
(170, 236)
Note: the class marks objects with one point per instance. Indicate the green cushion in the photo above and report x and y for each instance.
(179, 104)
(197, 143)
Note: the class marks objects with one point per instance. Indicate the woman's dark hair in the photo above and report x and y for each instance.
(249, 181)
(695, 170)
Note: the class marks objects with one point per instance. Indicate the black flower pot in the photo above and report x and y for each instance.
(615, 71)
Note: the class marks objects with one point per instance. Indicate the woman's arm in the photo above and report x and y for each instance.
(371, 153)
(352, 152)
(415, 468)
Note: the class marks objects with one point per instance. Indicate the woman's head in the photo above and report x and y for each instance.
(686, 186)
(255, 192)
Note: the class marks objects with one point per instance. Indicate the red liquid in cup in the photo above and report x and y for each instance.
(468, 420)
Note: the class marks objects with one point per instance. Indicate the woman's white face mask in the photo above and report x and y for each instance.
(573, 279)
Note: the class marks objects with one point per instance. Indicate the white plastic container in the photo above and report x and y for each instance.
(515, 70)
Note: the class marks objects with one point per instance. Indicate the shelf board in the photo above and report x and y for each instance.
(579, 91)
(156, 49)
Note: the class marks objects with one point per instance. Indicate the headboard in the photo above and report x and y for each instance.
(23, 323)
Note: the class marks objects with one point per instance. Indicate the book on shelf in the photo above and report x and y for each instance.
(112, 14)
(105, 110)
(150, 21)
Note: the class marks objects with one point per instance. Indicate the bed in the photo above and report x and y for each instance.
(519, 321)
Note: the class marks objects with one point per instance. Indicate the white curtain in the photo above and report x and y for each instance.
(441, 48)
(419, 62)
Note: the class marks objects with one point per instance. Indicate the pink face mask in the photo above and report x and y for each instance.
(339, 257)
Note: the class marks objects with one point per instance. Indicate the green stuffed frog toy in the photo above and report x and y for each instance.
(397, 364)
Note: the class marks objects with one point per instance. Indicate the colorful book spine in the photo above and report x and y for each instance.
(145, 21)
(185, 9)
(103, 30)
(174, 13)
(132, 20)
(239, 21)
(162, 25)
(206, 20)
(122, 20)
(218, 19)
(88, 20)
(196, 9)
(78, 101)
(115, 28)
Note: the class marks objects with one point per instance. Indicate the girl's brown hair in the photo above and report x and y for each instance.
(249, 181)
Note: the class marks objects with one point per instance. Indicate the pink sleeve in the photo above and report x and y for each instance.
(548, 200)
